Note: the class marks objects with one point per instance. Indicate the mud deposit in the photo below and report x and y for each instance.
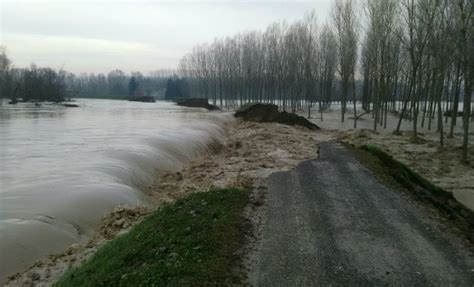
(249, 153)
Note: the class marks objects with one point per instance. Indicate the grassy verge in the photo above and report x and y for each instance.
(190, 242)
(391, 170)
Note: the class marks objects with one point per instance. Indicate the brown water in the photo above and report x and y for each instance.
(62, 169)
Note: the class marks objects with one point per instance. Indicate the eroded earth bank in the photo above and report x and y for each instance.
(244, 158)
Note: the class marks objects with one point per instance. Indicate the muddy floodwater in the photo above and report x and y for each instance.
(62, 169)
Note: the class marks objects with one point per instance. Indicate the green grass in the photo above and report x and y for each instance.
(190, 242)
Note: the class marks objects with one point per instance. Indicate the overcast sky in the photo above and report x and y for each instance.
(98, 36)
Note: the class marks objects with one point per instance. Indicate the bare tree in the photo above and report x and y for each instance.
(344, 19)
(5, 81)
(405, 66)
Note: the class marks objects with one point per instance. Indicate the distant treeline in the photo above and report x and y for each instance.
(414, 57)
(38, 84)
(116, 84)
(46, 84)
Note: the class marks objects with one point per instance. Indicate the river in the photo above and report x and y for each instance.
(62, 169)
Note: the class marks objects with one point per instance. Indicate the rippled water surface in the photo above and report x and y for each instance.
(62, 169)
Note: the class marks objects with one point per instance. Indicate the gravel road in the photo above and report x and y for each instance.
(329, 222)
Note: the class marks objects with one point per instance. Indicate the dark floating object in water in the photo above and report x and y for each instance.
(38, 104)
(71, 105)
(269, 113)
(13, 102)
(197, 103)
(145, 99)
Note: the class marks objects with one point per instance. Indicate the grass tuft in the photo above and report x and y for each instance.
(190, 242)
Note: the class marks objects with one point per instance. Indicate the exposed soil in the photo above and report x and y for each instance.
(197, 103)
(251, 152)
(263, 113)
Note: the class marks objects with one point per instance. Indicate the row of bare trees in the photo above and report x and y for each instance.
(419, 54)
(31, 84)
(45, 84)
(4, 69)
(115, 84)
(414, 58)
(280, 65)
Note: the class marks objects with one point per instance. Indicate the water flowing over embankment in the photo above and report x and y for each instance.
(63, 169)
